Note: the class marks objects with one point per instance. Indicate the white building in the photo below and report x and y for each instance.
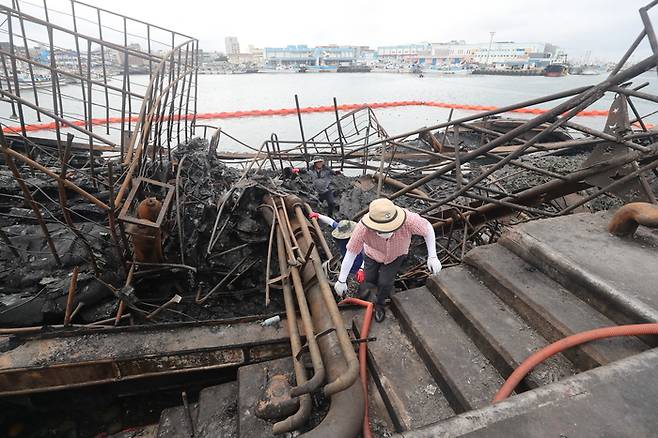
(331, 55)
(495, 54)
(412, 53)
(232, 46)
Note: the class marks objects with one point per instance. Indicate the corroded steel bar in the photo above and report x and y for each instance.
(56, 117)
(345, 416)
(301, 416)
(112, 221)
(64, 157)
(639, 171)
(87, 117)
(54, 82)
(105, 86)
(556, 188)
(90, 113)
(53, 175)
(301, 130)
(63, 29)
(69, 298)
(69, 74)
(131, 19)
(28, 198)
(572, 107)
(318, 232)
(351, 373)
(14, 69)
(27, 54)
(318, 378)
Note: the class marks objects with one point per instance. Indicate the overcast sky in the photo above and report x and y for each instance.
(606, 27)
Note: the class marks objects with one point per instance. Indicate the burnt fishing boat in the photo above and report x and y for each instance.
(155, 282)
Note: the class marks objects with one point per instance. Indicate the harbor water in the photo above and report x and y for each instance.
(261, 91)
(272, 91)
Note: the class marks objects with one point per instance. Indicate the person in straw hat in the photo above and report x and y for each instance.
(384, 234)
(341, 232)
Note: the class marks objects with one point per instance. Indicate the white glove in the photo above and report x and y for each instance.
(434, 265)
(340, 287)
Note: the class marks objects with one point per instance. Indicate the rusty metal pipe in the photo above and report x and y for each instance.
(316, 358)
(345, 416)
(292, 260)
(629, 217)
(298, 418)
(319, 373)
(350, 375)
(318, 231)
(70, 295)
(293, 239)
(398, 184)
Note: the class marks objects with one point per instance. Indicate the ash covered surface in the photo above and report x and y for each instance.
(229, 250)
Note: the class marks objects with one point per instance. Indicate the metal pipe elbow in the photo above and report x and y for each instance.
(345, 416)
(296, 420)
(344, 380)
(629, 217)
(310, 385)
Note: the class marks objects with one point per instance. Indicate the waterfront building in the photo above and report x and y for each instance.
(365, 55)
(231, 45)
(243, 58)
(290, 55)
(120, 57)
(497, 54)
(407, 53)
(257, 54)
(330, 55)
(335, 55)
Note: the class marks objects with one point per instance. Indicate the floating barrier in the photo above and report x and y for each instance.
(291, 111)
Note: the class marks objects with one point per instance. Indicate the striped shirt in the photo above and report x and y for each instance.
(386, 250)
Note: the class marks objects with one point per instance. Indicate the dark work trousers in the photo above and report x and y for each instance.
(382, 276)
(329, 198)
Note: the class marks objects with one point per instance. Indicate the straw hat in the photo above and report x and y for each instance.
(344, 229)
(384, 216)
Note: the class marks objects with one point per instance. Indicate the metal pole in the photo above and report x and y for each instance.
(28, 198)
(301, 130)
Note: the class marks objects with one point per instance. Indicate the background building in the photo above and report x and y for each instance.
(503, 54)
(331, 55)
(289, 55)
(231, 45)
(407, 53)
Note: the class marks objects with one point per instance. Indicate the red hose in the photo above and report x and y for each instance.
(363, 346)
(570, 341)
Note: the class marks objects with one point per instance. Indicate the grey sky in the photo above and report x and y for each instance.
(606, 27)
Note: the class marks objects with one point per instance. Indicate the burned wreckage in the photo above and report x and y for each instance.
(160, 277)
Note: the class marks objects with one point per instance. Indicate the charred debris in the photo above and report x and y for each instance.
(119, 208)
(147, 216)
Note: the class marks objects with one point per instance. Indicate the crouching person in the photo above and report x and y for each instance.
(341, 232)
(384, 235)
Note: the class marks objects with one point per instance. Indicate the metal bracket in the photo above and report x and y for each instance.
(317, 336)
(124, 215)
